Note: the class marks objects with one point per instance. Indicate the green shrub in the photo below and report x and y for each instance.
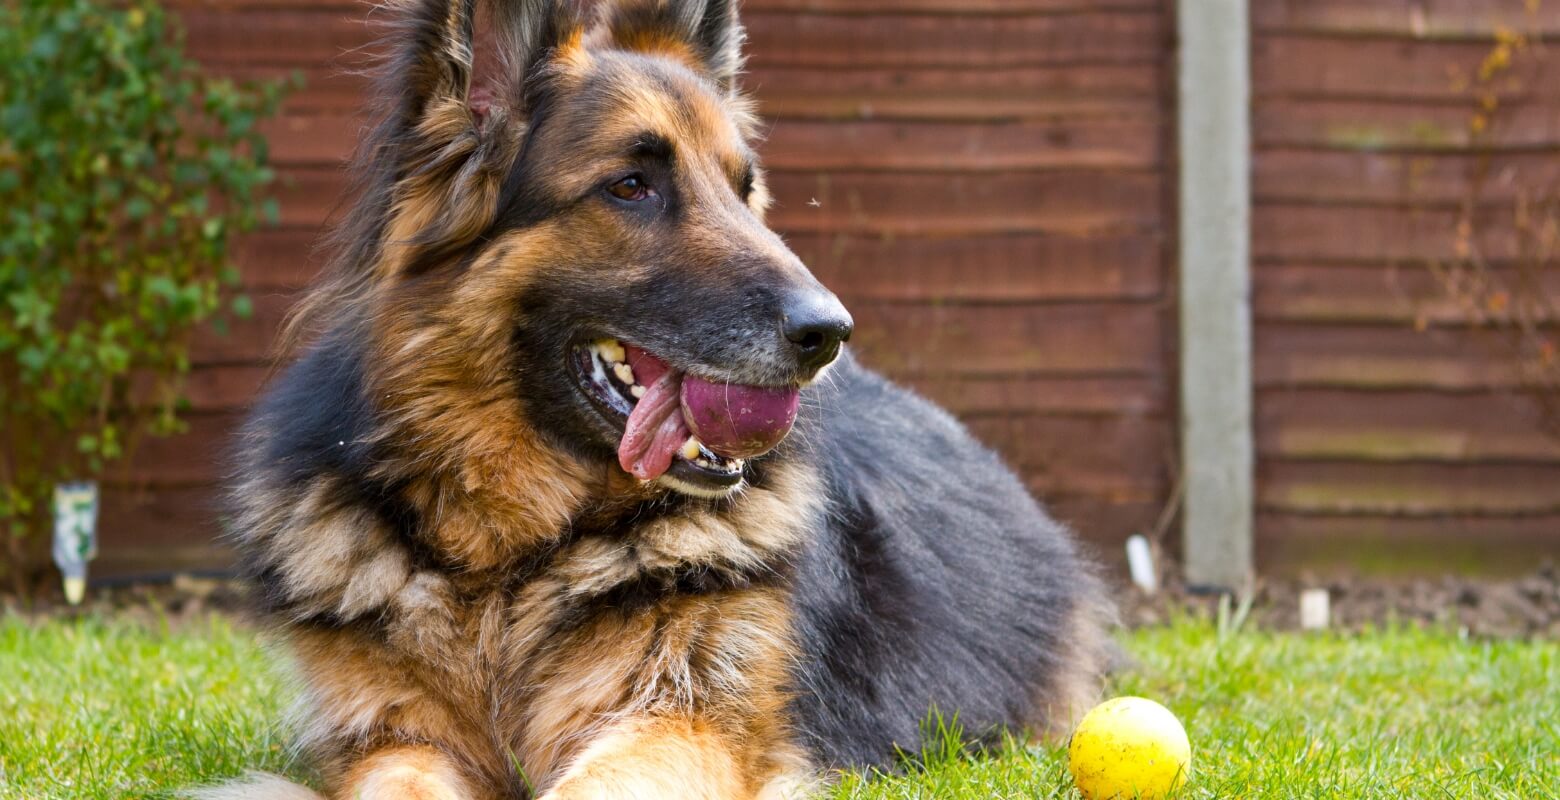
(125, 173)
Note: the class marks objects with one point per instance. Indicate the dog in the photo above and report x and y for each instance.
(573, 490)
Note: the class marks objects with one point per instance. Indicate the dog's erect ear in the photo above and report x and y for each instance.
(438, 60)
(708, 29)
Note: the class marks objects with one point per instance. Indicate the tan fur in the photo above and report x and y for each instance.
(254, 786)
(486, 650)
(497, 678)
(407, 773)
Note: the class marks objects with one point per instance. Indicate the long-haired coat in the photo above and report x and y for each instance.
(530, 509)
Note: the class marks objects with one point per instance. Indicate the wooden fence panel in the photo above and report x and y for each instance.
(984, 182)
(1402, 148)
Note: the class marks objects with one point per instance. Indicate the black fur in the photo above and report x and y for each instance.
(937, 584)
(931, 581)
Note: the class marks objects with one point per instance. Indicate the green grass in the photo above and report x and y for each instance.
(99, 708)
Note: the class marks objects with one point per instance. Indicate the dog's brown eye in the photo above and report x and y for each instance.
(631, 188)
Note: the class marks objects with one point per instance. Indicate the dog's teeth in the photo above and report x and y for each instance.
(611, 350)
(690, 448)
(637, 391)
(624, 373)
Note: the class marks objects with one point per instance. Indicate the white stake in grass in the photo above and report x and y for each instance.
(1314, 609)
(1140, 559)
(75, 534)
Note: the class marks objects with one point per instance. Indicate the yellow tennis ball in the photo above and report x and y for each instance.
(1129, 748)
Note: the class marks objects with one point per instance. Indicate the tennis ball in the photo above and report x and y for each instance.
(1129, 748)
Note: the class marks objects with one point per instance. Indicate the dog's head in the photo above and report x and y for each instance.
(579, 240)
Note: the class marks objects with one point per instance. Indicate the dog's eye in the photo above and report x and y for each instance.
(633, 188)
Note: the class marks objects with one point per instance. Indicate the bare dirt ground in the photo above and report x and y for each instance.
(1518, 607)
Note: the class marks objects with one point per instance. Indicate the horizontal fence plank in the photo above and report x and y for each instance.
(1372, 126)
(1116, 459)
(1006, 269)
(1382, 357)
(279, 259)
(1394, 294)
(951, 7)
(1041, 92)
(1347, 546)
(848, 7)
(318, 35)
(1414, 489)
(800, 103)
(318, 139)
(1307, 232)
(1431, 72)
(1402, 426)
(1424, 19)
(250, 340)
(1071, 202)
(304, 36)
(958, 41)
(1002, 86)
(975, 396)
(200, 457)
(944, 340)
(216, 388)
(945, 147)
(1411, 180)
(996, 269)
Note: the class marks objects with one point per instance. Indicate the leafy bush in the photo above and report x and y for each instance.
(125, 173)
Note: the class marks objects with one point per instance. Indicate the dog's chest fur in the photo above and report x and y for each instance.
(679, 612)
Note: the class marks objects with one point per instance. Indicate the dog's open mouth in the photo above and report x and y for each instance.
(696, 430)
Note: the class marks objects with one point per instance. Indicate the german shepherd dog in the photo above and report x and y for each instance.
(556, 499)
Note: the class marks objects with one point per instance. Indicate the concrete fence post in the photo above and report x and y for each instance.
(1215, 326)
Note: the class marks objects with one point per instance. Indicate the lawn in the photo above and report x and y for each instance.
(98, 708)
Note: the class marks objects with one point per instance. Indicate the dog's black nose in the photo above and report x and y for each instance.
(815, 324)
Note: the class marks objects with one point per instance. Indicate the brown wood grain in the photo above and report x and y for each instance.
(1120, 459)
(1372, 234)
(1398, 71)
(1342, 547)
(247, 341)
(1094, 339)
(315, 35)
(1107, 37)
(963, 147)
(1390, 294)
(1409, 180)
(1424, 19)
(280, 259)
(1374, 126)
(949, 7)
(1339, 425)
(996, 269)
(1372, 357)
(973, 396)
(1073, 202)
(1409, 489)
(323, 139)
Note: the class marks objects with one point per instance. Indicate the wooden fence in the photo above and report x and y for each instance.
(989, 185)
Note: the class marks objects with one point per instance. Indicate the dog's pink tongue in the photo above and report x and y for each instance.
(732, 420)
(738, 421)
(655, 430)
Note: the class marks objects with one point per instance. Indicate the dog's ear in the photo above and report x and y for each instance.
(458, 100)
(708, 30)
(438, 58)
